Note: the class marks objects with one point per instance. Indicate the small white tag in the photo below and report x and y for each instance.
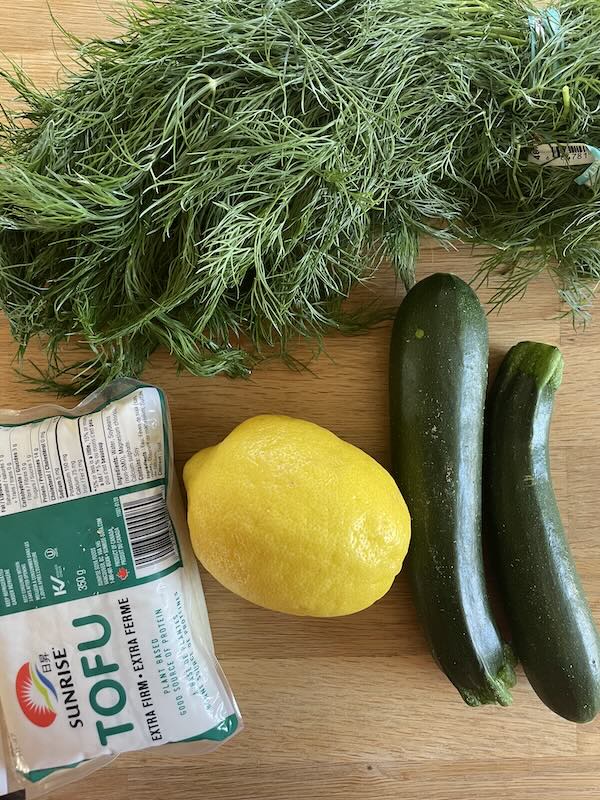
(561, 155)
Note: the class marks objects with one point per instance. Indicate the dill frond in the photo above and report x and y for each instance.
(216, 180)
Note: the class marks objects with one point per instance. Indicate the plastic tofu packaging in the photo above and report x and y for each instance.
(105, 643)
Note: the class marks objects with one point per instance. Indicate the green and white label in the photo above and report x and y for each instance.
(97, 650)
(75, 521)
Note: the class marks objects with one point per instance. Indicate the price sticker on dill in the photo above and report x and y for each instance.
(97, 650)
(561, 155)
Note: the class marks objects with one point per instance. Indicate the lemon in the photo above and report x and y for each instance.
(292, 518)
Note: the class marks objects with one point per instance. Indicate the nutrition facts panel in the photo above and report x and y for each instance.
(59, 459)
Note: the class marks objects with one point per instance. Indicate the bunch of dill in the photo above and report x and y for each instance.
(216, 180)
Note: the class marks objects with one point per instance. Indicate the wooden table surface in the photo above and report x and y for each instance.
(353, 708)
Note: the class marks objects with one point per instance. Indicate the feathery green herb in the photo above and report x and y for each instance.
(216, 180)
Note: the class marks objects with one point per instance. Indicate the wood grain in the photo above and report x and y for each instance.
(353, 708)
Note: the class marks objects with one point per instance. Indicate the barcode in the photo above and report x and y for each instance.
(561, 155)
(150, 532)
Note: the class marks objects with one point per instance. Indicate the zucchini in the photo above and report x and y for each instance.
(553, 629)
(438, 378)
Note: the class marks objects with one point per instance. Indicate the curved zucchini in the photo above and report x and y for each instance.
(554, 632)
(438, 377)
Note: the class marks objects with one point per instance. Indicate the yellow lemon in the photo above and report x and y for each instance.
(292, 518)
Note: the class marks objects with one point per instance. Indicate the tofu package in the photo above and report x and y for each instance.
(105, 643)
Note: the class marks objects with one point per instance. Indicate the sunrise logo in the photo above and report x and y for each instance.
(36, 695)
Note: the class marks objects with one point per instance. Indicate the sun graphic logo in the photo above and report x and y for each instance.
(36, 695)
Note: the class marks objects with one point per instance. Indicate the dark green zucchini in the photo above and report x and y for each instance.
(554, 632)
(438, 378)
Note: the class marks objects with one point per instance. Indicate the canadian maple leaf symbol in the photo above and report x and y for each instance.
(122, 573)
